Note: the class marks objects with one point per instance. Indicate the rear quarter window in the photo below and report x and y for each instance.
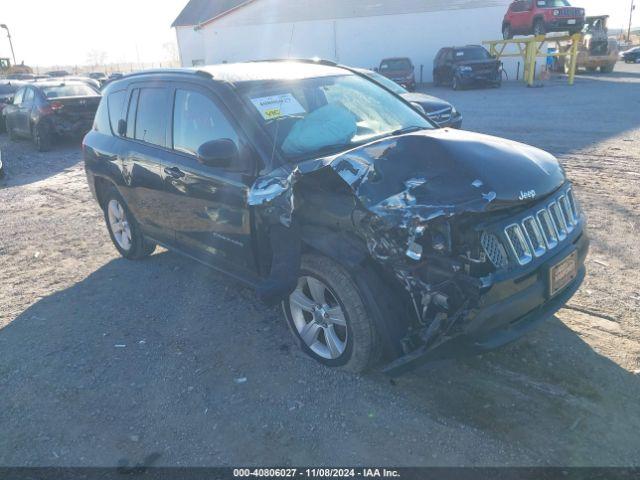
(116, 103)
(101, 121)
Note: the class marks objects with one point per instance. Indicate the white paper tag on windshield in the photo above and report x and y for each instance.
(278, 106)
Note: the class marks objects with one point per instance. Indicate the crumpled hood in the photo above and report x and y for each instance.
(448, 167)
(412, 178)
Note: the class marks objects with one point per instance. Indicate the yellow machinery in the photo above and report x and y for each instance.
(530, 48)
(7, 69)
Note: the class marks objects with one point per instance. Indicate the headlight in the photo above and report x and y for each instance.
(556, 12)
(454, 112)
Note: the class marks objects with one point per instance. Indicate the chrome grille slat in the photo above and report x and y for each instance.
(558, 220)
(518, 244)
(534, 235)
(565, 209)
(548, 229)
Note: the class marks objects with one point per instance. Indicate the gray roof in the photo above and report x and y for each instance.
(199, 11)
(270, 70)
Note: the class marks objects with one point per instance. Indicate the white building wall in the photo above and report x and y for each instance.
(360, 41)
(191, 46)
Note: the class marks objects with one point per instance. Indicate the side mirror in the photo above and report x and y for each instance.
(218, 153)
(122, 127)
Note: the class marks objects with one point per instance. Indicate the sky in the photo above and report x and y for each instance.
(72, 32)
(63, 32)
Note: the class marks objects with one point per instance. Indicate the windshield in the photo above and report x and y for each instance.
(321, 116)
(553, 3)
(395, 64)
(384, 81)
(464, 54)
(69, 91)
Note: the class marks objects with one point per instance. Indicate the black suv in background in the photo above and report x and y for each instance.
(463, 67)
(382, 236)
(44, 111)
(438, 110)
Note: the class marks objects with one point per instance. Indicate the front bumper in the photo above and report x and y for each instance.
(516, 303)
(473, 78)
(562, 24)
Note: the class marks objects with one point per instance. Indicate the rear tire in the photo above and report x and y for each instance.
(506, 32)
(123, 228)
(328, 318)
(607, 68)
(12, 135)
(42, 137)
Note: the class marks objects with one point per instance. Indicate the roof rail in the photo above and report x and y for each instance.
(316, 60)
(167, 71)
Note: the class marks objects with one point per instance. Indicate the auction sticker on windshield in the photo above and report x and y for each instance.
(278, 106)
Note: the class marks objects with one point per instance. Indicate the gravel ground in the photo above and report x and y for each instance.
(106, 362)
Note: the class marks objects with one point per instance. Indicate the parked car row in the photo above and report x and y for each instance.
(405, 241)
(47, 110)
(457, 67)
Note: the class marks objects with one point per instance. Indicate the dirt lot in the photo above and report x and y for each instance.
(106, 362)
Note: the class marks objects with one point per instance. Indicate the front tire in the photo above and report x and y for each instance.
(456, 84)
(539, 28)
(328, 318)
(607, 68)
(123, 229)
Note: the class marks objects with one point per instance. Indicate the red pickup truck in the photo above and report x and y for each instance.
(537, 17)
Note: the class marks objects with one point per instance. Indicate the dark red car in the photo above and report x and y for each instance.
(400, 70)
(537, 17)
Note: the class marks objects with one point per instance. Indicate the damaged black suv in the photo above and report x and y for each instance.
(385, 238)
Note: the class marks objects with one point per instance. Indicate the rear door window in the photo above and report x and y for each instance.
(151, 117)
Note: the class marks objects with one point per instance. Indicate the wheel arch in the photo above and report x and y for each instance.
(101, 186)
(382, 295)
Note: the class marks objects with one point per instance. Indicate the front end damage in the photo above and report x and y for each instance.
(420, 207)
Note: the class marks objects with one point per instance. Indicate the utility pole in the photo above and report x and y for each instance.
(11, 44)
(633, 7)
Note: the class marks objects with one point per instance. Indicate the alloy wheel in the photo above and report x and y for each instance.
(119, 224)
(319, 318)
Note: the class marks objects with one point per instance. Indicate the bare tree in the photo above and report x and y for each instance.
(96, 57)
(171, 50)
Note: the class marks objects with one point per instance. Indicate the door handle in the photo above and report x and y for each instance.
(174, 172)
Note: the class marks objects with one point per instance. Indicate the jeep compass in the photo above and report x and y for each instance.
(385, 239)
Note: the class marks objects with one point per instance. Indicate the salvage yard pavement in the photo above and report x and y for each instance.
(106, 362)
